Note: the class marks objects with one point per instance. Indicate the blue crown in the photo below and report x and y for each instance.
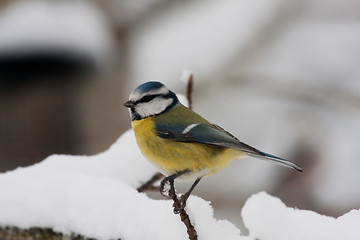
(149, 86)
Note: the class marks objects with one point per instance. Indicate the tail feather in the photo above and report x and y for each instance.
(281, 161)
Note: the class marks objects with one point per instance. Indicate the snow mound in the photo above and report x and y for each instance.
(95, 196)
(267, 217)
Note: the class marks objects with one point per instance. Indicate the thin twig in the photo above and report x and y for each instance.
(184, 216)
(189, 90)
(149, 185)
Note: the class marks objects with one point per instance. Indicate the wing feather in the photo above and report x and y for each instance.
(215, 135)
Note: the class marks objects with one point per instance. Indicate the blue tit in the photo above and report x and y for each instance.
(180, 142)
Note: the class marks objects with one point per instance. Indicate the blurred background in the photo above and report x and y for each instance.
(282, 75)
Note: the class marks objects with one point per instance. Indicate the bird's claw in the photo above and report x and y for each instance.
(182, 201)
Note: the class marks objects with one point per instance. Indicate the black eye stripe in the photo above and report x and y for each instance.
(148, 98)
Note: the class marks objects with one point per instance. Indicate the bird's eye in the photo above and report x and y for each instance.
(148, 98)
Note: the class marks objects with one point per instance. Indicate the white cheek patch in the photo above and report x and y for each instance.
(156, 106)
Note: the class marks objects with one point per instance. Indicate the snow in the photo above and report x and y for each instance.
(96, 196)
(122, 161)
(268, 218)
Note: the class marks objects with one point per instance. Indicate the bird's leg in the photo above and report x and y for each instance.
(167, 188)
(185, 196)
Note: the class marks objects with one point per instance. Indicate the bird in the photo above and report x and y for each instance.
(181, 143)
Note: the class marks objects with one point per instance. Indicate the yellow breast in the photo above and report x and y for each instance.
(172, 156)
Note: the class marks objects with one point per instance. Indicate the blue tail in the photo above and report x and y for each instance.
(266, 156)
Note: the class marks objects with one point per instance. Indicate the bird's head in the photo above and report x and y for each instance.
(150, 98)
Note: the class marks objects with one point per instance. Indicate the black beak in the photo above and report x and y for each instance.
(129, 104)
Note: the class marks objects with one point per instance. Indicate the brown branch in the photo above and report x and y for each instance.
(149, 185)
(183, 215)
(189, 90)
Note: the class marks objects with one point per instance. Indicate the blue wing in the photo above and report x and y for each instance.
(214, 135)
